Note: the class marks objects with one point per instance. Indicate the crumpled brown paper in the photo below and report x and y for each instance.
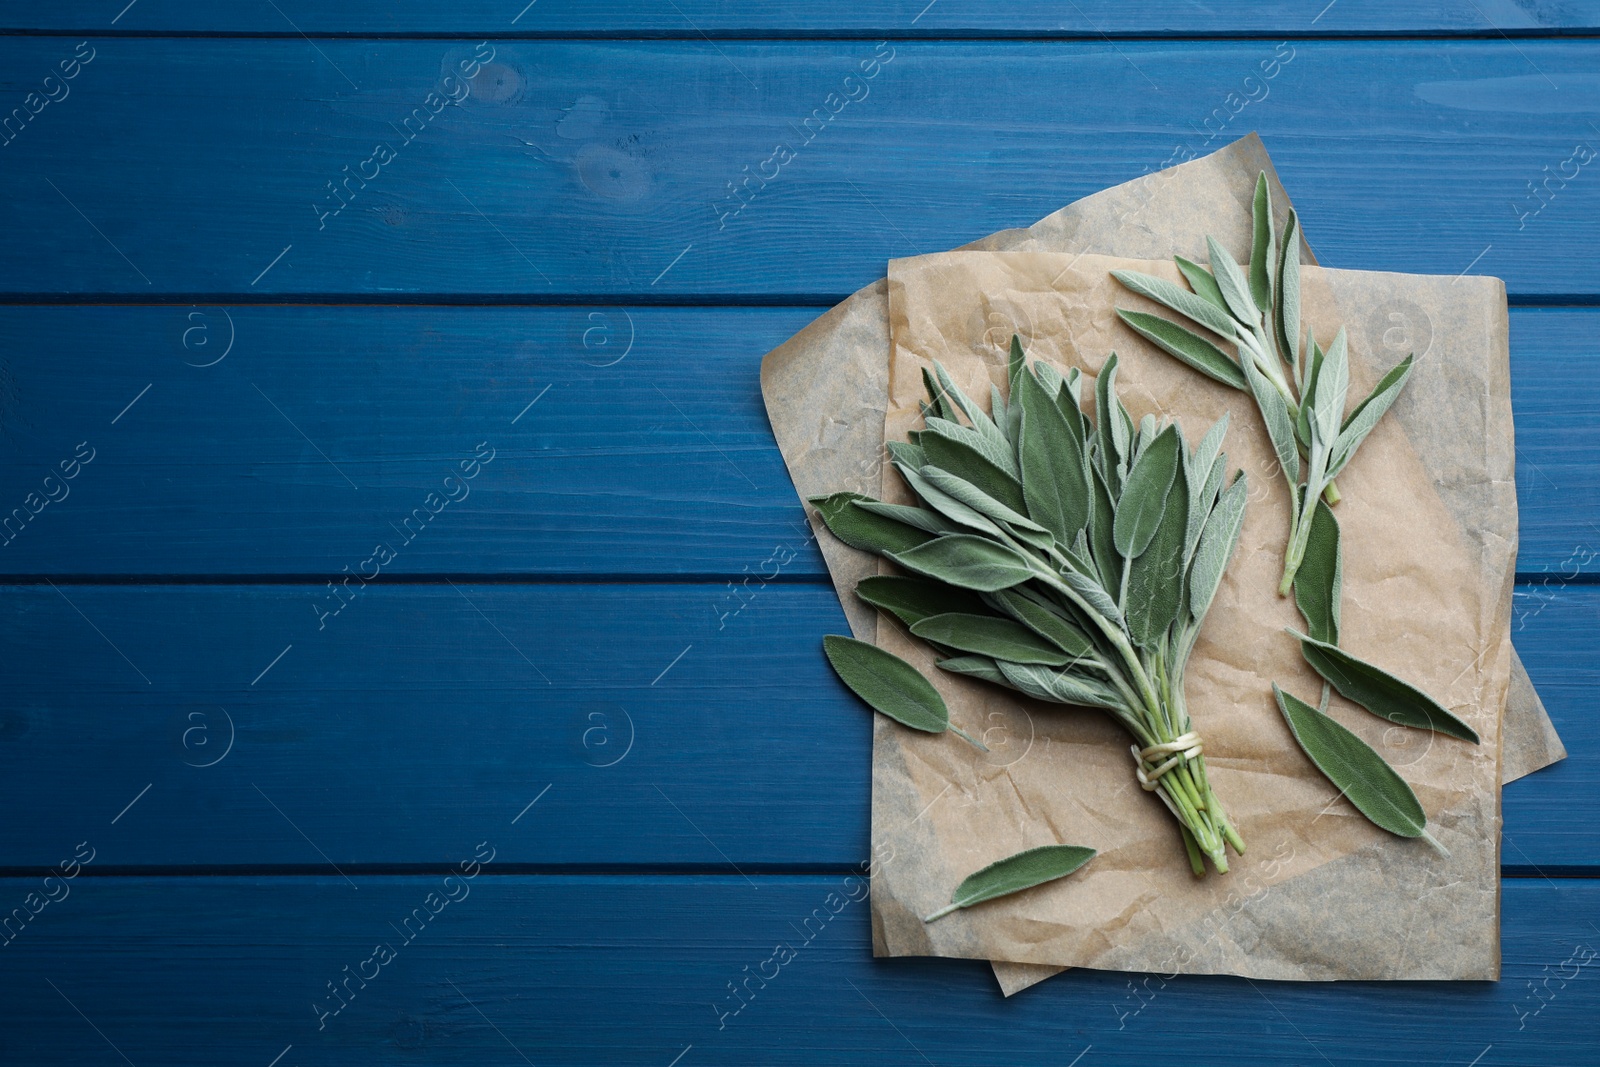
(825, 388)
(1321, 894)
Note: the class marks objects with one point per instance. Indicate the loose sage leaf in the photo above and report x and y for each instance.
(912, 599)
(1145, 496)
(1367, 414)
(1186, 345)
(1045, 622)
(1217, 541)
(985, 635)
(1275, 413)
(1201, 281)
(1013, 874)
(1263, 254)
(1233, 283)
(968, 562)
(1055, 473)
(1155, 577)
(1288, 317)
(1317, 582)
(1195, 308)
(887, 683)
(1381, 692)
(1354, 768)
(974, 667)
(862, 529)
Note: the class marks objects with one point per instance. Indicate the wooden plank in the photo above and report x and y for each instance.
(720, 18)
(609, 970)
(606, 167)
(672, 725)
(240, 467)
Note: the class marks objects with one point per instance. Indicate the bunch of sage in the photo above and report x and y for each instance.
(1301, 392)
(1068, 559)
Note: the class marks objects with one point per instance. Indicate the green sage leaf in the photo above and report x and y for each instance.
(1155, 577)
(1275, 414)
(1195, 308)
(1045, 622)
(1234, 285)
(1102, 543)
(1317, 582)
(956, 442)
(1055, 472)
(1354, 768)
(985, 635)
(1015, 364)
(1381, 692)
(1263, 253)
(1145, 496)
(982, 424)
(1367, 413)
(862, 529)
(982, 502)
(1288, 317)
(887, 683)
(923, 519)
(1013, 874)
(912, 599)
(907, 454)
(968, 562)
(1201, 281)
(945, 504)
(936, 396)
(974, 667)
(1111, 429)
(1217, 541)
(1059, 685)
(1332, 390)
(1186, 346)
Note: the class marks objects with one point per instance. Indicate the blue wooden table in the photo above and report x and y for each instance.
(410, 631)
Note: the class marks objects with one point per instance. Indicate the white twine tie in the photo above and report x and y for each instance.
(1177, 750)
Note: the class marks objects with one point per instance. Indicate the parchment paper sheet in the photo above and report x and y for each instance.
(825, 388)
(1321, 894)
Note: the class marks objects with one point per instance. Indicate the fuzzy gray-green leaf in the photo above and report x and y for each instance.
(987, 505)
(1381, 692)
(1102, 545)
(1263, 253)
(974, 667)
(1201, 281)
(955, 442)
(1044, 622)
(1145, 496)
(1288, 317)
(921, 518)
(912, 599)
(1367, 413)
(1332, 389)
(1317, 582)
(1354, 768)
(985, 635)
(1233, 283)
(1059, 685)
(1217, 541)
(1013, 874)
(1155, 577)
(1185, 345)
(981, 422)
(1055, 473)
(887, 683)
(936, 396)
(1195, 308)
(1275, 414)
(863, 530)
(968, 562)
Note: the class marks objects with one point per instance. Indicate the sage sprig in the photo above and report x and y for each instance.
(1300, 390)
(1068, 559)
(1035, 866)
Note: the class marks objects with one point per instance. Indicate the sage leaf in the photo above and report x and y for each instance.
(1275, 413)
(974, 667)
(1201, 281)
(907, 454)
(941, 402)
(1288, 317)
(950, 436)
(1234, 285)
(1381, 692)
(968, 562)
(862, 529)
(1045, 622)
(912, 599)
(1015, 364)
(923, 519)
(887, 683)
(1186, 345)
(982, 424)
(1217, 541)
(1332, 390)
(1354, 768)
(1263, 253)
(1055, 473)
(1155, 577)
(947, 505)
(1057, 685)
(985, 635)
(1013, 874)
(1317, 582)
(1367, 413)
(982, 502)
(1102, 545)
(1195, 308)
(1145, 496)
